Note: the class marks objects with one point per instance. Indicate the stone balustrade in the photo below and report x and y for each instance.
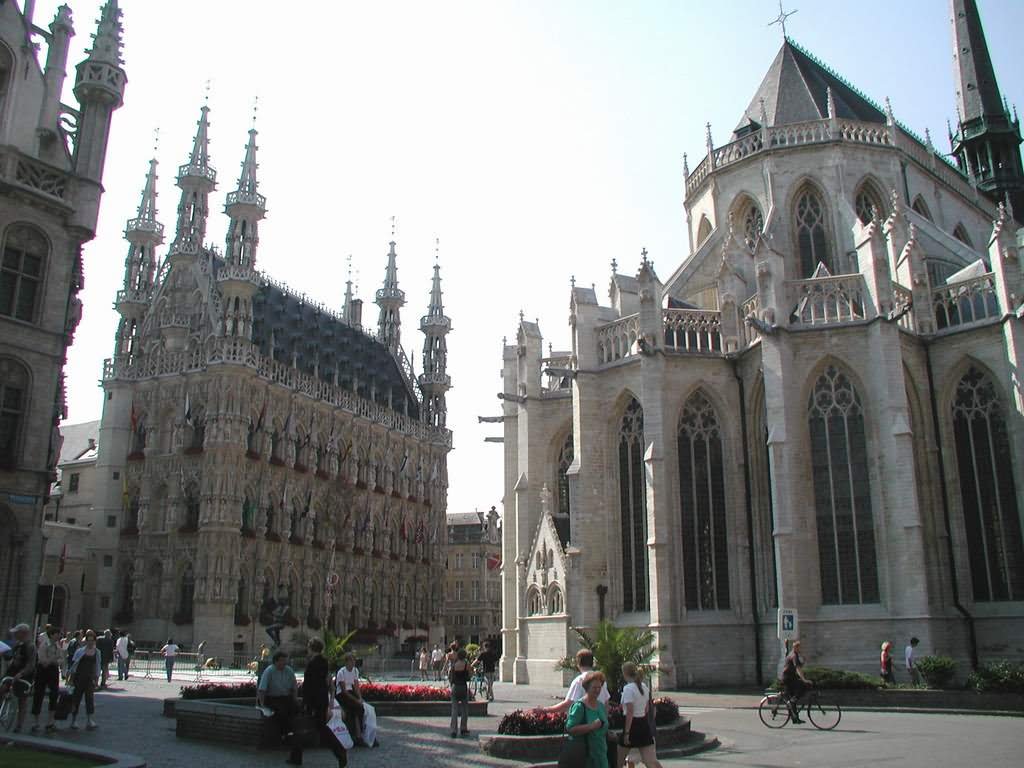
(902, 301)
(692, 330)
(617, 340)
(965, 303)
(829, 300)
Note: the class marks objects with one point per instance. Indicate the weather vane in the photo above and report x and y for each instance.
(437, 249)
(255, 109)
(156, 140)
(392, 227)
(781, 19)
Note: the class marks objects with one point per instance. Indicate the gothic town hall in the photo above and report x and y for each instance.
(818, 407)
(271, 462)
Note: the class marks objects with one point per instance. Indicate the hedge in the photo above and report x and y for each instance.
(1002, 676)
(536, 722)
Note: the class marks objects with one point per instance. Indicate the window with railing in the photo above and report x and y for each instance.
(702, 499)
(987, 489)
(842, 492)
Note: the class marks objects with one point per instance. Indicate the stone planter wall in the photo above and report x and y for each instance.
(534, 748)
(923, 698)
(237, 721)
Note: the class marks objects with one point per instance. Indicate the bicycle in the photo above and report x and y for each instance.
(9, 702)
(775, 713)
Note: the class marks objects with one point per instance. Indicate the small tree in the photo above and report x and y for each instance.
(335, 647)
(614, 646)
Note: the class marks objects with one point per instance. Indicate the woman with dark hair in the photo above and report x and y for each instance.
(48, 656)
(458, 676)
(170, 652)
(85, 675)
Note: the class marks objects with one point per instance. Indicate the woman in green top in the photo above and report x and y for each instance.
(588, 719)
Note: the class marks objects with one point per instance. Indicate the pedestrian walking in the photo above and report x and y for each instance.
(636, 733)
(84, 675)
(885, 663)
(316, 697)
(123, 654)
(458, 677)
(436, 661)
(424, 663)
(48, 658)
(170, 651)
(588, 721)
(105, 643)
(910, 656)
(21, 669)
(488, 663)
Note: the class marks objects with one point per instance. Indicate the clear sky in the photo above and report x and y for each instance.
(537, 139)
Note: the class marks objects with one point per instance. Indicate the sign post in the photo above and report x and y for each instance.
(788, 629)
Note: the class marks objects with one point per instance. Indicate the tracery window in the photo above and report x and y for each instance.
(866, 202)
(633, 508)
(565, 459)
(753, 225)
(702, 497)
(13, 403)
(248, 514)
(21, 272)
(842, 492)
(555, 602)
(534, 603)
(987, 490)
(811, 232)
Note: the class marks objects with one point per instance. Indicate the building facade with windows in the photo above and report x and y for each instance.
(51, 170)
(818, 408)
(279, 464)
(473, 586)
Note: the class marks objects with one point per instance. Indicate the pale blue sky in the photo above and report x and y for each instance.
(536, 139)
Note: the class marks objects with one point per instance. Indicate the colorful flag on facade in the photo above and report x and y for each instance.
(493, 562)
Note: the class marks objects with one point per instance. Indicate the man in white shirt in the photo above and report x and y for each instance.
(436, 660)
(585, 664)
(908, 655)
(121, 651)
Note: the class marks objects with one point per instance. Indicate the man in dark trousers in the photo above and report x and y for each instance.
(278, 690)
(105, 645)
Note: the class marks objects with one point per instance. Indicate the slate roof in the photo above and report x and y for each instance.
(795, 89)
(314, 336)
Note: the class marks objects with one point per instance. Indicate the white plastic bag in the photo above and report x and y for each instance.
(337, 726)
(369, 724)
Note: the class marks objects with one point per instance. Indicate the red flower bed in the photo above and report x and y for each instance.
(371, 692)
(535, 722)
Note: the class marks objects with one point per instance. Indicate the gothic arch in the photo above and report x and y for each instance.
(842, 487)
(704, 230)
(960, 233)
(747, 217)
(556, 600)
(629, 449)
(920, 207)
(810, 220)
(702, 461)
(27, 251)
(868, 194)
(534, 601)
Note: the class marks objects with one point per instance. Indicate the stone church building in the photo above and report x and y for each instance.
(270, 462)
(819, 407)
(51, 180)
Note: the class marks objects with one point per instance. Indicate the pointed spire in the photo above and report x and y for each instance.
(200, 157)
(390, 299)
(346, 307)
(830, 101)
(976, 89)
(434, 380)
(106, 40)
(147, 205)
(196, 179)
(436, 307)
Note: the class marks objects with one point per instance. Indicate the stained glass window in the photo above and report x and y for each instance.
(753, 225)
(812, 237)
(565, 458)
(842, 493)
(702, 499)
(987, 490)
(633, 509)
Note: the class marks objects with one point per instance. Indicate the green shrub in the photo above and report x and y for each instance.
(937, 671)
(613, 646)
(472, 649)
(824, 677)
(1003, 676)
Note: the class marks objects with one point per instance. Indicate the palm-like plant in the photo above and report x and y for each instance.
(614, 646)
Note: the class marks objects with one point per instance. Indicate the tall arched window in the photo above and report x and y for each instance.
(811, 232)
(987, 490)
(534, 602)
(703, 230)
(248, 515)
(842, 493)
(633, 508)
(555, 602)
(866, 201)
(565, 458)
(702, 497)
(21, 272)
(13, 406)
(921, 207)
(186, 594)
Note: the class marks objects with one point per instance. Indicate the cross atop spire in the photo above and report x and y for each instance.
(781, 20)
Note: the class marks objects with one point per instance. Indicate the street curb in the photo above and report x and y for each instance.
(105, 758)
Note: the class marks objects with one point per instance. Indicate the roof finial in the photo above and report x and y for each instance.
(615, 267)
(572, 281)
(831, 101)
(686, 167)
(156, 140)
(206, 92)
(643, 255)
(928, 140)
(763, 113)
(255, 109)
(392, 227)
(889, 119)
(437, 250)
(781, 20)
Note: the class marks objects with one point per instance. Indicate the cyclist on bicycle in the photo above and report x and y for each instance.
(794, 682)
(487, 664)
(21, 670)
